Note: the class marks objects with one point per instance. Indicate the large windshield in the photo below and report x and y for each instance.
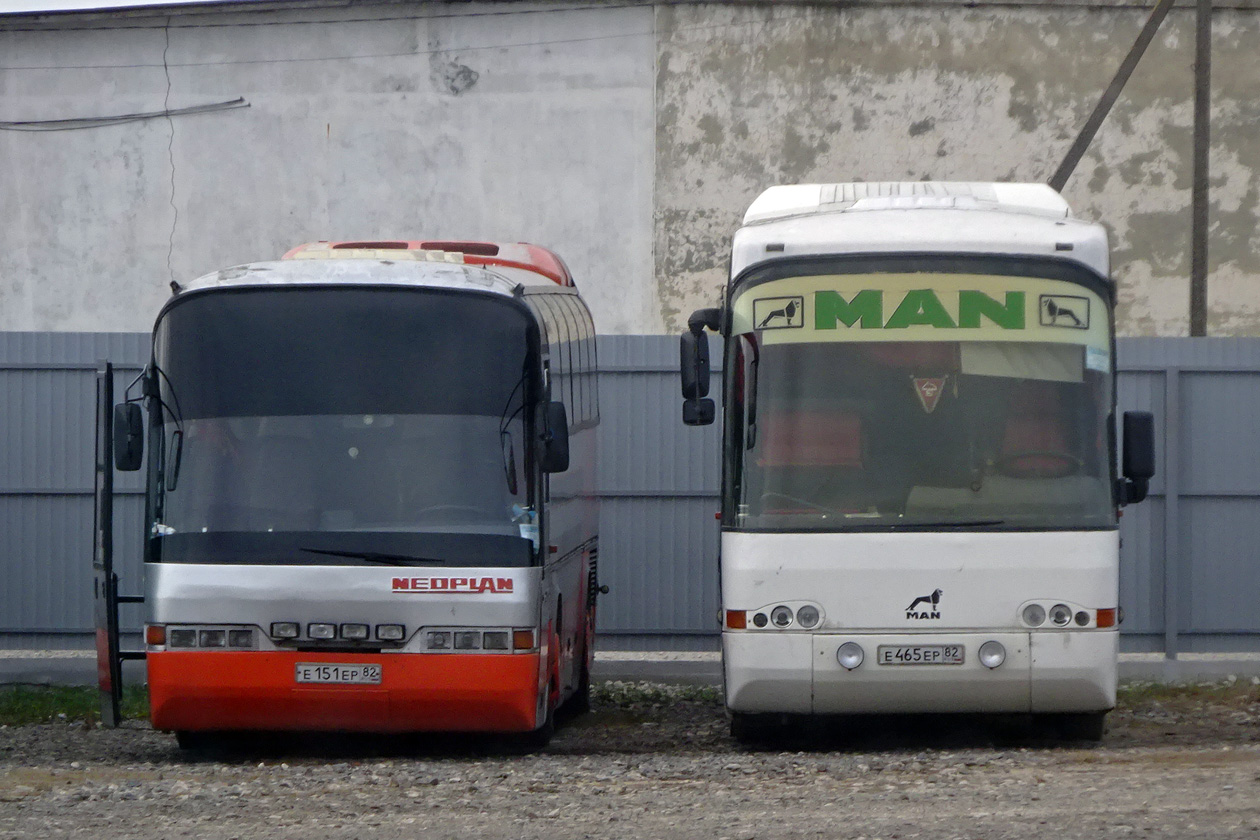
(328, 426)
(887, 425)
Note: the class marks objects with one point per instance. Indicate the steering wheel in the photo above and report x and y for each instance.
(1037, 463)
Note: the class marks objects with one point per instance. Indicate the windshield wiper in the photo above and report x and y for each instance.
(379, 557)
(965, 523)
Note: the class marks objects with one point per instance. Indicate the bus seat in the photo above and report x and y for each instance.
(812, 439)
(1035, 438)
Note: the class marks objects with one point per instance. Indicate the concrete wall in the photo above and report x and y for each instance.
(629, 138)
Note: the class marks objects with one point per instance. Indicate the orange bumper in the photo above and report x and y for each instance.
(206, 691)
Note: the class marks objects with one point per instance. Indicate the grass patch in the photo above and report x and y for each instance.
(1137, 695)
(632, 695)
(23, 704)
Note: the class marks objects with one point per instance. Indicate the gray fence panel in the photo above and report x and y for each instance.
(1189, 579)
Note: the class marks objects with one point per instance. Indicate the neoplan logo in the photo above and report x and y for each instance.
(779, 313)
(932, 601)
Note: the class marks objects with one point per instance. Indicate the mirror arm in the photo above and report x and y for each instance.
(701, 318)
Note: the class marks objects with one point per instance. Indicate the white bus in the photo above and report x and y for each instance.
(919, 494)
(370, 493)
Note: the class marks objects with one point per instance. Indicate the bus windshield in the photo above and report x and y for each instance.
(862, 430)
(345, 426)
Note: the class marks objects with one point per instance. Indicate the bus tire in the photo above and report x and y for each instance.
(752, 730)
(579, 703)
(1081, 726)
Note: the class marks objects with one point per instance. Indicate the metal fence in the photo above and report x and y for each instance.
(1190, 580)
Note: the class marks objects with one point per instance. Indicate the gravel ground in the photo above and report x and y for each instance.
(656, 762)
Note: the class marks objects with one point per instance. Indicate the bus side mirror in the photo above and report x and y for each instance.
(693, 352)
(1138, 458)
(128, 437)
(698, 412)
(555, 440)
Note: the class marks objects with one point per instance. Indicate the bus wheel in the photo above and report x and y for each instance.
(579, 703)
(541, 737)
(1078, 726)
(191, 741)
(1086, 726)
(751, 730)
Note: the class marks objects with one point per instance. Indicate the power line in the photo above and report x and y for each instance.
(79, 123)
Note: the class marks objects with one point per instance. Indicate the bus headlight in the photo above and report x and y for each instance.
(354, 632)
(1060, 615)
(781, 616)
(390, 632)
(992, 654)
(321, 631)
(285, 630)
(850, 655)
(807, 616)
(1034, 615)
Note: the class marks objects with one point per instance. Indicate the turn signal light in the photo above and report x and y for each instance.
(155, 634)
(736, 619)
(522, 639)
(1107, 617)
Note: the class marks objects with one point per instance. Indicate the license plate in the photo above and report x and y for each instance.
(335, 673)
(919, 655)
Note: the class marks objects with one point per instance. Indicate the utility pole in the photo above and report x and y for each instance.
(1199, 188)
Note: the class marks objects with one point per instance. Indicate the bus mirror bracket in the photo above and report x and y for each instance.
(128, 436)
(555, 439)
(1138, 458)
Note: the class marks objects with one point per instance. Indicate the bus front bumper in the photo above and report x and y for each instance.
(258, 690)
(799, 673)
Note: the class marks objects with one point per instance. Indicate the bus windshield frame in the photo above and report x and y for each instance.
(345, 425)
(919, 393)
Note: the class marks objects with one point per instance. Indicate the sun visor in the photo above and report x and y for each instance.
(1048, 362)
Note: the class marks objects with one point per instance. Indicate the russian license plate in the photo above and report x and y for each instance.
(335, 673)
(919, 655)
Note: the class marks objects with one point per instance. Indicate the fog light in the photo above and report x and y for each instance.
(354, 632)
(1060, 615)
(1034, 615)
(495, 641)
(760, 620)
(438, 640)
(212, 638)
(850, 655)
(781, 616)
(241, 638)
(285, 630)
(182, 638)
(390, 632)
(807, 616)
(321, 631)
(465, 640)
(992, 654)
(1082, 618)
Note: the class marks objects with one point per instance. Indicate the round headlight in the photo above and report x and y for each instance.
(1060, 615)
(781, 616)
(1034, 615)
(1082, 618)
(760, 620)
(807, 616)
(849, 655)
(992, 654)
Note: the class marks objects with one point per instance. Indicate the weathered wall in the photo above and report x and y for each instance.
(749, 96)
(629, 138)
(438, 121)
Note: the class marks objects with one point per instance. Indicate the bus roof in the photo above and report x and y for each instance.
(521, 255)
(916, 217)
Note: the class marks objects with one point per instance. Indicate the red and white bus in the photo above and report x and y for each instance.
(370, 493)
